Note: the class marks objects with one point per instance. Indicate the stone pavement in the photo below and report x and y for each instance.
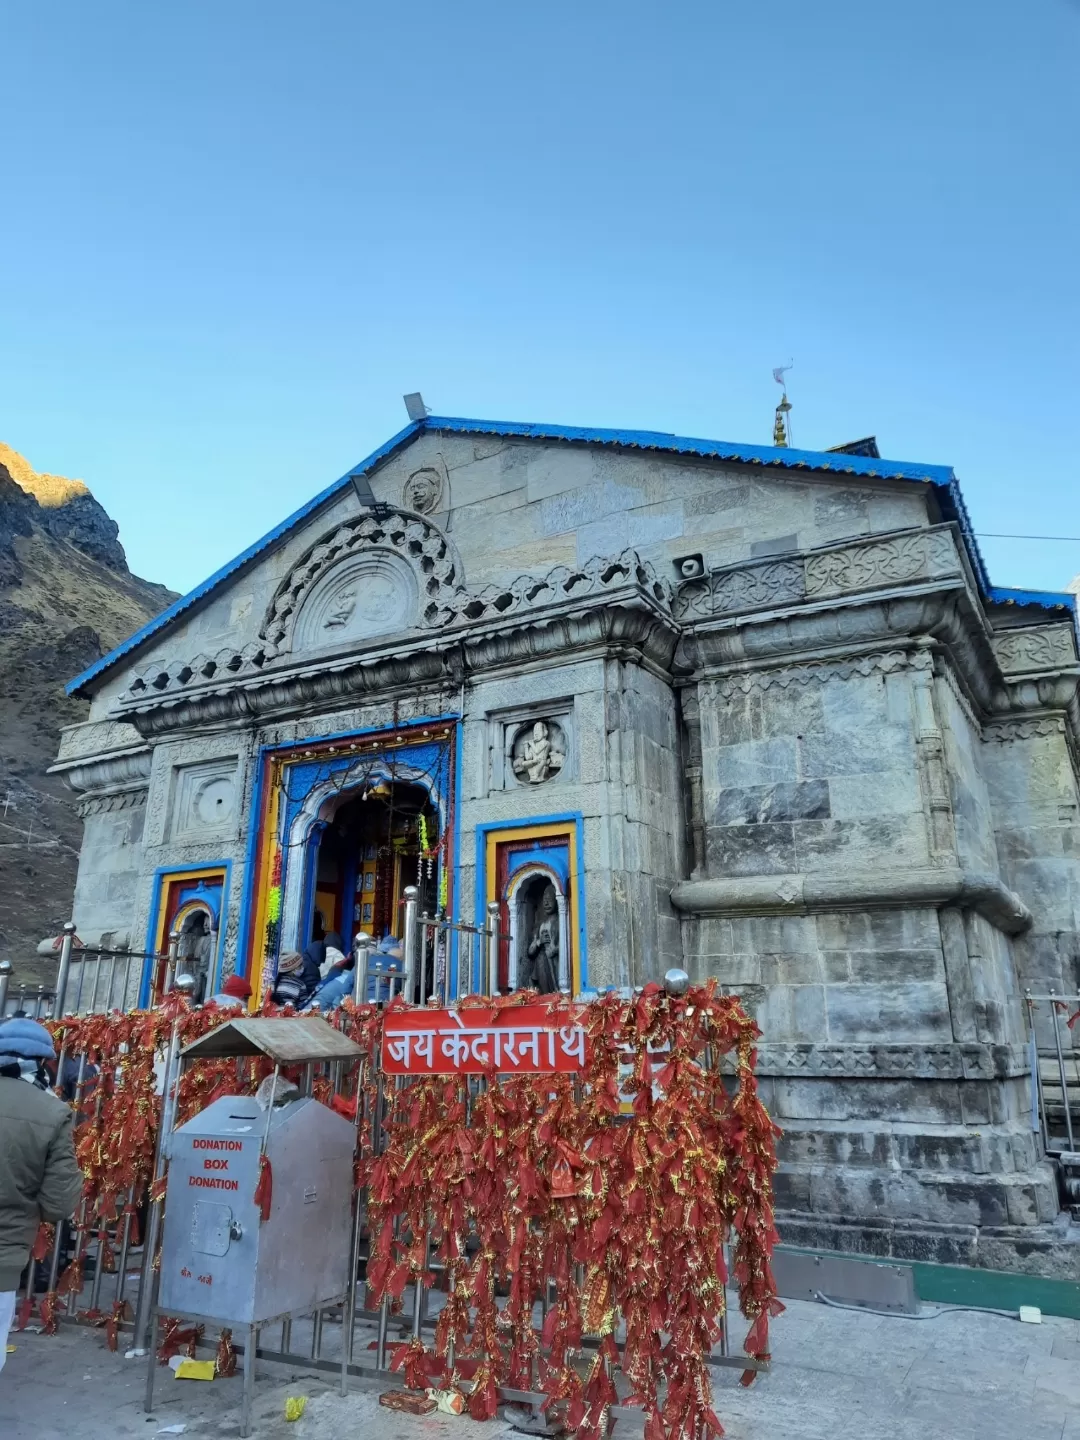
(837, 1374)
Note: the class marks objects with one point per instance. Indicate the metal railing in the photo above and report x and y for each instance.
(1054, 1063)
(425, 973)
(89, 980)
(349, 1339)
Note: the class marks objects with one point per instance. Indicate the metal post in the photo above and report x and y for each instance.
(170, 964)
(249, 1380)
(112, 982)
(125, 1243)
(65, 967)
(94, 986)
(127, 982)
(492, 987)
(412, 900)
(422, 933)
(147, 1276)
(362, 946)
(384, 1322)
(348, 1314)
(1061, 1069)
(151, 1366)
(5, 981)
(418, 1296)
(77, 1008)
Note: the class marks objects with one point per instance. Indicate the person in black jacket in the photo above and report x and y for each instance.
(291, 987)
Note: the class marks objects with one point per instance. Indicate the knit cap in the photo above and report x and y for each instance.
(24, 1039)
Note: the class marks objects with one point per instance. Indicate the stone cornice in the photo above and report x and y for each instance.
(541, 603)
(116, 770)
(854, 890)
(627, 624)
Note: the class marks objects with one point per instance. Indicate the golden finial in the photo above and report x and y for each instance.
(781, 434)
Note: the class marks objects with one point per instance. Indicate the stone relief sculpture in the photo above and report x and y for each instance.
(540, 968)
(341, 610)
(423, 491)
(538, 754)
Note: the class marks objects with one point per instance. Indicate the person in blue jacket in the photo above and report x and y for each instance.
(386, 958)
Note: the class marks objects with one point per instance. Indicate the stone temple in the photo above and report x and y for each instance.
(753, 711)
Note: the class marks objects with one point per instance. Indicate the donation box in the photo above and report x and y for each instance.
(219, 1258)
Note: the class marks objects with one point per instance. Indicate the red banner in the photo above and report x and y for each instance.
(514, 1040)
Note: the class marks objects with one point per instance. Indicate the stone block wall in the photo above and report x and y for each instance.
(109, 874)
(812, 768)
(1036, 817)
(622, 777)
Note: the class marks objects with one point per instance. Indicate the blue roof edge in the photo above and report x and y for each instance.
(825, 462)
(1045, 599)
(239, 561)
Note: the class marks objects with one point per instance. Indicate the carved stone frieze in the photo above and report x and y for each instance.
(932, 1062)
(114, 800)
(600, 576)
(1002, 731)
(743, 682)
(602, 584)
(537, 751)
(919, 555)
(839, 570)
(430, 666)
(1042, 647)
(92, 738)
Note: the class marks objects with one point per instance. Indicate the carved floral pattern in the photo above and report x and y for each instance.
(840, 570)
(1044, 648)
(862, 567)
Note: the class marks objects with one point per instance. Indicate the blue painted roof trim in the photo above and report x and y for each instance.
(1044, 599)
(185, 602)
(829, 462)
(832, 461)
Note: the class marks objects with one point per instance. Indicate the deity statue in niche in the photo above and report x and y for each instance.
(540, 968)
(537, 756)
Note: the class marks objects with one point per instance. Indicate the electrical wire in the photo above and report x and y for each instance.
(1000, 535)
(922, 1315)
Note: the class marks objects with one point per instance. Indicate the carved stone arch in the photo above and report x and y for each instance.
(399, 536)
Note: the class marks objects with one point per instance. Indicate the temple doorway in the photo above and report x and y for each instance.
(365, 847)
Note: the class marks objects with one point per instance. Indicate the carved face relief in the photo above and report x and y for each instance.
(423, 491)
(538, 752)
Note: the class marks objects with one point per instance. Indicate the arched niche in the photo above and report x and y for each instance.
(522, 900)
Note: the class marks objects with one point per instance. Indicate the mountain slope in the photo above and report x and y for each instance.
(66, 598)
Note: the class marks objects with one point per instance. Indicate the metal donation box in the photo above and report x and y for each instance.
(219, 1259)
(241, 1254)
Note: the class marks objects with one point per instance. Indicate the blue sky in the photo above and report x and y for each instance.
(236, 231)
